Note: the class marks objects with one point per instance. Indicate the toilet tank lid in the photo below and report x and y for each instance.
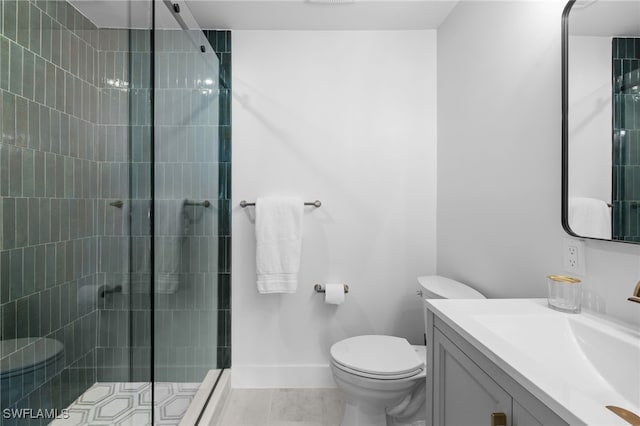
(439, 287)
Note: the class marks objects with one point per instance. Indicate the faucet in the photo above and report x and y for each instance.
(636, 294)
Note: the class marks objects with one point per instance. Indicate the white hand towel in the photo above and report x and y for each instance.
(278, 243)
(590, 217)
(169, 242)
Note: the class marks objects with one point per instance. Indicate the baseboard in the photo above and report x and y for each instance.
(282, 376)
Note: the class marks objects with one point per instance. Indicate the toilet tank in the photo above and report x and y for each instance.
(438, 287)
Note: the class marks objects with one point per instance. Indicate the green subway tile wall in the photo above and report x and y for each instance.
(50, 235)
(124, 135)
(626, 139)
(191, 242)
(221, 43)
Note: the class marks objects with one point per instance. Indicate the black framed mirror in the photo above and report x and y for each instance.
(601, 119)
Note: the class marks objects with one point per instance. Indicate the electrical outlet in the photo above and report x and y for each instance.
(573, 256)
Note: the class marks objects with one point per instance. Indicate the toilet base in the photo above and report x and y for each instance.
(367, 401)
(356, 416)
(359, 415)
(416, 423)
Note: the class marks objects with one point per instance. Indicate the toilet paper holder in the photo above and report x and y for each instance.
(319, 288)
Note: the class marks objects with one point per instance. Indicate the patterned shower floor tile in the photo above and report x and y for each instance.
(128, 404)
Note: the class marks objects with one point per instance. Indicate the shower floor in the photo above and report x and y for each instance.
(129, 404)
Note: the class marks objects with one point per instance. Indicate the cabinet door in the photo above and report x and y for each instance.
(534, 413)
(522, 417)
(464, 395)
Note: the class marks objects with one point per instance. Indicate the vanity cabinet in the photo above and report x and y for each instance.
(465, 388)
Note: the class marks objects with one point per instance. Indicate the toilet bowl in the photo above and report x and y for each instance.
(26, 364)
(383, 377)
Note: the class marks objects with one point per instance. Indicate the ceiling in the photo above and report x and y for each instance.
(273, 15)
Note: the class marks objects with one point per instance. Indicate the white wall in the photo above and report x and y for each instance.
(348, 118)
(590, 117)
(499, 150)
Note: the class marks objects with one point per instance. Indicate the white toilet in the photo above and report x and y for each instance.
(383, 377)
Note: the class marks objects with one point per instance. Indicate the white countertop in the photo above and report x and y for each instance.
(576, 364)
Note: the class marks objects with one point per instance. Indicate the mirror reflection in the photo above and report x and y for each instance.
(601, 119)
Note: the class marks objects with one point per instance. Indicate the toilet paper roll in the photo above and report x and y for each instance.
(333, 294)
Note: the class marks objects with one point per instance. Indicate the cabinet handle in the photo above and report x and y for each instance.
(498, 419)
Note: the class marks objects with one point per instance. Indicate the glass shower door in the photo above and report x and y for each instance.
(185, 242)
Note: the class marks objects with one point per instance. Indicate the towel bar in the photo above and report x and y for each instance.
(203, 203)
(316, 203)
(319, 288)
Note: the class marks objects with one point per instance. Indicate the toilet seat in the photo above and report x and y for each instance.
(377, 357)
(412, 374)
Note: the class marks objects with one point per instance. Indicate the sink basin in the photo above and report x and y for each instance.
(615, 358)
(595, 357)
(576, 364)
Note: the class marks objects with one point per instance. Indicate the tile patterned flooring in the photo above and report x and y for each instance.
(129, 404)
(283, 407)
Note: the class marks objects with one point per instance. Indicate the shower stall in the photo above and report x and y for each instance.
(114, 211)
